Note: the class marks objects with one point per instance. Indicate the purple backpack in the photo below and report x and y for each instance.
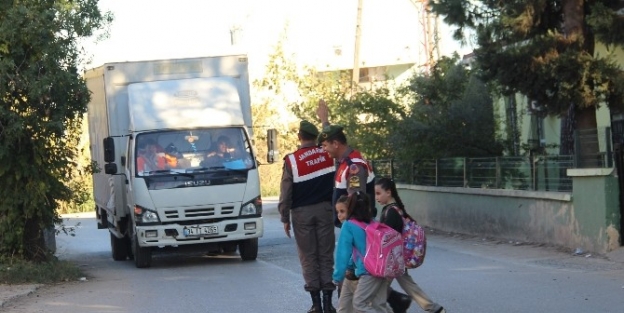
(384, 250)
(414, 241)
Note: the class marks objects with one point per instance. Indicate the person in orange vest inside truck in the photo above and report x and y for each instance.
(150, 157)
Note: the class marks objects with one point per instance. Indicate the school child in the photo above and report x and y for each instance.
(371, 292)
(346, 290)
(386, 194)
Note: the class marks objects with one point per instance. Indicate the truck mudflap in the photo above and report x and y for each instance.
(177, 235)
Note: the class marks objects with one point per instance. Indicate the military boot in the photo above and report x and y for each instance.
(327, 302)
(316, 302)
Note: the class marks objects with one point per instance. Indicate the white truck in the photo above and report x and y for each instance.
(180, 171)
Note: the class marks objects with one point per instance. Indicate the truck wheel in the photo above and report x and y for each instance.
(142, 255)
(229, 248)
(129, 248)
(248, 249)
(119, 247)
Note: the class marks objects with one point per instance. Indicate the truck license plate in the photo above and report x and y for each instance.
(198, 231)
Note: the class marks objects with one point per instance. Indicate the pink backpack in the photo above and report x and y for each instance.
(414, 241)
(384, 250)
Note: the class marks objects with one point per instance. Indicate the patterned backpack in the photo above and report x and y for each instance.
(384, 250)
(414, 240)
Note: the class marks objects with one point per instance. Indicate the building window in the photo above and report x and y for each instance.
(372, 74)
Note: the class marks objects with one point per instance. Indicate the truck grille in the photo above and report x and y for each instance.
(198, 213)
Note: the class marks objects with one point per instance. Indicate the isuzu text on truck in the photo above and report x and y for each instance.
(180, 171)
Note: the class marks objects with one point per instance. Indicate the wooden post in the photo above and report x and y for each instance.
(498, 173)
(355, 79)
(465, 173)
(436, 172)
(609, 151)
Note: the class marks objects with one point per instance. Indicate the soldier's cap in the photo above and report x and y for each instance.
(308, 128)
(329, 132)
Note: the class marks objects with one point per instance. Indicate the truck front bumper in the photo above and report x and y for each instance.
(176, 235)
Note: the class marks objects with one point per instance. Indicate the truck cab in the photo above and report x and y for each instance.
(180, 171)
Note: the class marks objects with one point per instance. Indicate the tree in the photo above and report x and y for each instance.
(451, 116)
(43, 99)
(272, 94)
(369, 115)
(545, 50)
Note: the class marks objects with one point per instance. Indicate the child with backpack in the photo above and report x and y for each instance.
(348, 286)
(393, 214)
(371, 292)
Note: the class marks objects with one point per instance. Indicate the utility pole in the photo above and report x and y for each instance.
(355, 78)
(430, 37)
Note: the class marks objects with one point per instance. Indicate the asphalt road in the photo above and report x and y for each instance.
(464, 274)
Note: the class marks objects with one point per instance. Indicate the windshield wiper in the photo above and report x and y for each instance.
(239, 169)
(171, 172)
(211, 168)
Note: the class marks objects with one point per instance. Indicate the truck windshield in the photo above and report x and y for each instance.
(193, 151)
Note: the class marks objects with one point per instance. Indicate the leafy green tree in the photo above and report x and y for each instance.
(80, 179)
(368, 115)
(452, 116)
(43, 99)
(272, 94)
(546, 51)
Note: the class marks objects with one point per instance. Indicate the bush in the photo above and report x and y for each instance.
(27, 272)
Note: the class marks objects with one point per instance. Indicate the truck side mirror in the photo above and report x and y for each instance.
(110, 168)
(272, 153)
(109, 149)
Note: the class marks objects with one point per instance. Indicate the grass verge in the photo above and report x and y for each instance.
(25, 272)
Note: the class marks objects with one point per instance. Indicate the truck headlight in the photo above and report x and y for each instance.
(253, 207)
(143, 215)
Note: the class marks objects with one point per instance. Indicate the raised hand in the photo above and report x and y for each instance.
(322, 111)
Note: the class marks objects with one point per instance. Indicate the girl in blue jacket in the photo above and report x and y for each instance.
(348, 286)
(392, 215)
(371, 292)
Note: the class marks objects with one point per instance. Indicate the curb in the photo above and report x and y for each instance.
(9, 293)
(616, 255)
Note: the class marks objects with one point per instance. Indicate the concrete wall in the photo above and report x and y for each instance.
(529, 216)
(596, 204)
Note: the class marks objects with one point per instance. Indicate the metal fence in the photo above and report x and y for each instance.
(537, 171)
(587, 141)
(540, 173)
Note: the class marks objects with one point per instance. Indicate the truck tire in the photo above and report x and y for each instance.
(129, 249)
(119, 248)
(229, 248)
(248, 249)
(142, 255)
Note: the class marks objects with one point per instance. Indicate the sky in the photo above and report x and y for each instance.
(163, 29)
(157, 29)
